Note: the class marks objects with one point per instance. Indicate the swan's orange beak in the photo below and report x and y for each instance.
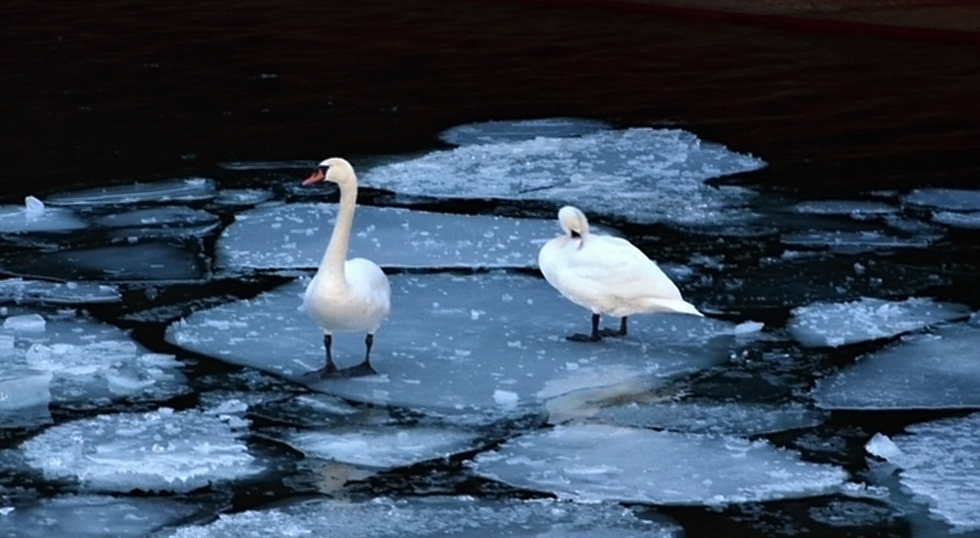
(316, 177)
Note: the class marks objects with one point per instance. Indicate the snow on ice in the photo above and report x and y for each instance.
(841, 324)
(658, 175)
(19, 290)
(294, 236)
(938, 463)
(934, 370)
(161, 450)
(430, 517)
(453, 342)
(68, 358)
(490, 132)
(594, 462)
(734, 418)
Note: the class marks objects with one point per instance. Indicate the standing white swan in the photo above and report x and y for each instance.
(345, 295)
(607, 275)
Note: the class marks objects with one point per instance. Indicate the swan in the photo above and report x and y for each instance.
(345, 295)
(607, 275)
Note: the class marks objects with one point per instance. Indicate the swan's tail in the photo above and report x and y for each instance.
(678, 306)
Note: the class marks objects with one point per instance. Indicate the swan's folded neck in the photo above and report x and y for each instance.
(332, 264)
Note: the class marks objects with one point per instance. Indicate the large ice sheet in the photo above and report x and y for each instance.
(593, 462)
(294, 236)
(840, 324)
(940, 465)
(93, 516)
(192, 189)
(734, 418)
(646, 175)
(430, 517)
(937, 370)
(475, 342)
(162, 450)
(24, 396)
(159, 260)
(513, 130)
(86, 362)
(21, 290)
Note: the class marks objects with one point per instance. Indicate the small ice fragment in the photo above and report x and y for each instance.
(33, 208)
(748, 327)
(882, 446)
(505, 398)
(33, 323)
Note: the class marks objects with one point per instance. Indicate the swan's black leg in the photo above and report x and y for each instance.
(621, 332)
(594, 337)
(329, 369)
(365, 367)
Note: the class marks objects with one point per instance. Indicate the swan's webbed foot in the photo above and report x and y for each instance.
(579, 337)
(615, 333)
(327, 372)
(359, 370)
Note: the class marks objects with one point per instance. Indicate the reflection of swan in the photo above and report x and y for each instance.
(607, 275)
(345, 295)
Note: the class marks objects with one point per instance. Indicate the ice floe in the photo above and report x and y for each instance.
(162, 450)
(593, 462)
(857, 209)
(240, 198)
(159, 260)
(383, 446)
(294, 236)
(734, 418)
(514, 130)
(840, 324)
(853, 242)
(488, 342)
(430, 517)
(71, 359)
(655, 175)
(19, 290)
(939, 464)
(94, 516)
(165, 221)
(193, 189)
(969, 220)
(934, 370)
(967, 200)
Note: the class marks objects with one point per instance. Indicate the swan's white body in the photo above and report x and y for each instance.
(345, 295)
(607, 275)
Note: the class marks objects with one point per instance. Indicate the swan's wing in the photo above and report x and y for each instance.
(368, 282)
(624, 270)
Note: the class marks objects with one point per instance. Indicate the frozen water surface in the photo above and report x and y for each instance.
(85, 361)
(94, 516)
(193, 189)
(655, 175)
(935, 370)
(381, 447)
(840, 324)
(19, 290)
(858, 209)
(514, 130)
(425, 517)
(35, 217)
(160, 260)
(605, 463)
(162, 450)
(295, 236)
(475, 342)
(735, 418)
(939, 463)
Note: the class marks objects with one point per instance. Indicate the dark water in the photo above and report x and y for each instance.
(106, 92)
(115, 91)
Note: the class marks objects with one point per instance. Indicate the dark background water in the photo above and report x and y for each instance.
(114, 91)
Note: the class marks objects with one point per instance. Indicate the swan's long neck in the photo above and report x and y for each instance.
(332, 264)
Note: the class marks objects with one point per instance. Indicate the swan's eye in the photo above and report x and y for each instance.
(323, 168)
(576, 235)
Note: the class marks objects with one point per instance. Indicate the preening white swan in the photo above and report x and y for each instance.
(607, 275)
(345, 295)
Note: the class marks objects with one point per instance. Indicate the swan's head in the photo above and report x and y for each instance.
(573, 222)
(334, 169)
